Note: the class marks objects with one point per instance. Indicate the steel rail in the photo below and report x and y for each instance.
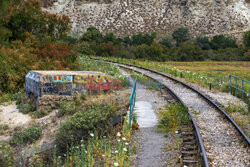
(216, 106)
(178, 99)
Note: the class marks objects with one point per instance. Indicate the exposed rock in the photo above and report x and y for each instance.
(130, 16)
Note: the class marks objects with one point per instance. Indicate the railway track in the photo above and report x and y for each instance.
(221, 141)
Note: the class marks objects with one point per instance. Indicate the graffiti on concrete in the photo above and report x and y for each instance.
(97, 82)
(32, 81)
(62, 79)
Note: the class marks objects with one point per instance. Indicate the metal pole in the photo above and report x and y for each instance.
(243, 90)
(230, 84)
(236, 87)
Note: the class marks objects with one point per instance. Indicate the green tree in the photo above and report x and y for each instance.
(92, 35)
(222, 42)
(181, 35)
(21, 16)
(167, 41)
(203, 42)
(246, 39)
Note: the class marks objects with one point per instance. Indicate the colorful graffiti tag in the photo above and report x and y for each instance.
(62, 79)
(97, 82)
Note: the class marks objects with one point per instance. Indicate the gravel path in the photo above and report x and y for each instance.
(222, 142)
(150, 143)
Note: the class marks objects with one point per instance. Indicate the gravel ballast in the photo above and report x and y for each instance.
(221, 140)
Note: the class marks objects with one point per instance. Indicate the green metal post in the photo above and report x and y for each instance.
(230, 84)
(242, 90)
(236, 87)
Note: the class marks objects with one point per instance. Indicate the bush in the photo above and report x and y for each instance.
(228, 54)
(84, 48)
(7, 157)
(28, 135)
(203, 42)
(167, 41)
(93, 117)
(26, 108)
(39, 113)
(189, 52)
(66, 108)
(222, 42)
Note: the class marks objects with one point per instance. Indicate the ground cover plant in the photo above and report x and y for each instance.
(28, 135)
(173, 116)
(240, 115)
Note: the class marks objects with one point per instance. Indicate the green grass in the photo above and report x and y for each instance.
(173, 116)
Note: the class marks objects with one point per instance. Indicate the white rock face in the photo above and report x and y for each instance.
(125, 17)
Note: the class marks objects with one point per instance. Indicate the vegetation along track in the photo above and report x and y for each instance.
(222, 137)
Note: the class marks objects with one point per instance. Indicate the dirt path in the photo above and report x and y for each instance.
(151, 144)
(11, 116)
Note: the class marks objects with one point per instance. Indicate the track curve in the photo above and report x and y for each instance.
(178, 96)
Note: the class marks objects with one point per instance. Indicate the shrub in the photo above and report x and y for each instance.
(203, 42)
(7, 157)
(167, 41)
(26, 108)
(39, 113)
(228, 54)
(66, 108)
(84, 48)
(222, 42)
(28, 135)
(189, 52)
(90, 118)
(173, 116)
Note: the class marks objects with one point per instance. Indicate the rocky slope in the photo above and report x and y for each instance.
(125, 17)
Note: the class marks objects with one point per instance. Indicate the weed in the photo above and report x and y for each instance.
(231, 108)
(39, 113)
(3, 127)
(26, 108)
(28, 135)
(173, 116)
(7, 157)
(66, 108)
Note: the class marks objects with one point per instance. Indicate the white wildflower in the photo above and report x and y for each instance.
(118, 134)
(124, 139)
(118, 140)
(116, 164)
(116, 151)
(124, 149)
(126, 143)
(92, 134)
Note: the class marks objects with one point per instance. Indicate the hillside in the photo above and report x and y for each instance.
(125, 17)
